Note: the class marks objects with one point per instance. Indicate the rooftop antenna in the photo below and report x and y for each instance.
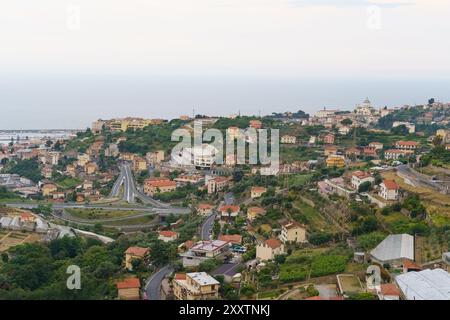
(193, 113)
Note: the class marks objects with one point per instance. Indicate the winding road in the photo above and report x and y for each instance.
(153, 286)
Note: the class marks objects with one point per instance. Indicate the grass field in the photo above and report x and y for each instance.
(94, 214)
(68, 183)
(132, 221)
(314, 220)
(438, 204)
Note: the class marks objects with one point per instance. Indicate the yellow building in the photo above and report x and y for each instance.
(83, 159)
(139, 164)
(135, 253)
(195, 286)
(128, 289)
(336, 161)
(131, 123)
(257, 192)
(90, 168)
(48, 189)
(293, 232)
(254, 212)
(269, 249)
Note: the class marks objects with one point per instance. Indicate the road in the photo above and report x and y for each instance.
(207, 226)
(116, 187)
(153, 286)
(420, 179)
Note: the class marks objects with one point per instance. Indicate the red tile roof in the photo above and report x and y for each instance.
(229, 207)
(389, 289)
(162, 183)
(205, 206)
(180, 276)
(408, 264)
(391, 185)
(168, 233)
(407, 143)
(233, 238)
(273, 243)
(128, 283)
(137, 251)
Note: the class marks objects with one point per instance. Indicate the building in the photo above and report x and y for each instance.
(83, 159)
(155, 158)
(329, 138)
(139, 164)
(256, 124)
(195, 286)
(71, 170)
(388, 291)
(344, 130)
(329, 150)
(389, 190)
(48, 189)
(269, 249)
(410, 126)
(254, 212)
(286, 139)
(97, 126)
(325, 113)
(135, 253)
(117, 125)
(293, 232)
(446, 260)
(231, 238)
(394, 249)
(233, 133)
(152, 187)
(216, 184)
(407, 145)
(396, 154)
(229, 211)
(257, 192)
(365, 109)
(360, 177)
(205, 209)
(91, 168)
(128, 289)
(370, 152)
(425, 285)
(376, 145)
(335, 161)
(352, 152)
(167, 235)
(204, 250)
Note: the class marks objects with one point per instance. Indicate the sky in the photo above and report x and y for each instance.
(65, 63)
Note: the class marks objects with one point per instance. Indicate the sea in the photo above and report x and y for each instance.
(7, 135)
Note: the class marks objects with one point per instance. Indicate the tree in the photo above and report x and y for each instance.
(347, 122)
(365, 187)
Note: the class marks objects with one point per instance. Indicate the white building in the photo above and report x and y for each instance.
(286, 139)
(393, 249)
(389, 190)
(360, 177)
(425, 285)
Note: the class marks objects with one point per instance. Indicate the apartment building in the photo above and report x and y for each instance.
(195, 286)
(360, 177)
(151, 187)
(269, 249)
(204, 250)
(135, 253)
(293, 232)
(389, 190)
(407, 145)
(286, 139)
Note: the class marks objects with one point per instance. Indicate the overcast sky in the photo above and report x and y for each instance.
(64, 63)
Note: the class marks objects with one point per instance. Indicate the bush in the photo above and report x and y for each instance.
(324, 265)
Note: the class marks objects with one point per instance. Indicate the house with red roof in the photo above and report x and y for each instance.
(167, 235)
(231, 238)
(269, 249)
(135, 253)
(229, 211)
(407, 145)
(389, 190)
(128, 289)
